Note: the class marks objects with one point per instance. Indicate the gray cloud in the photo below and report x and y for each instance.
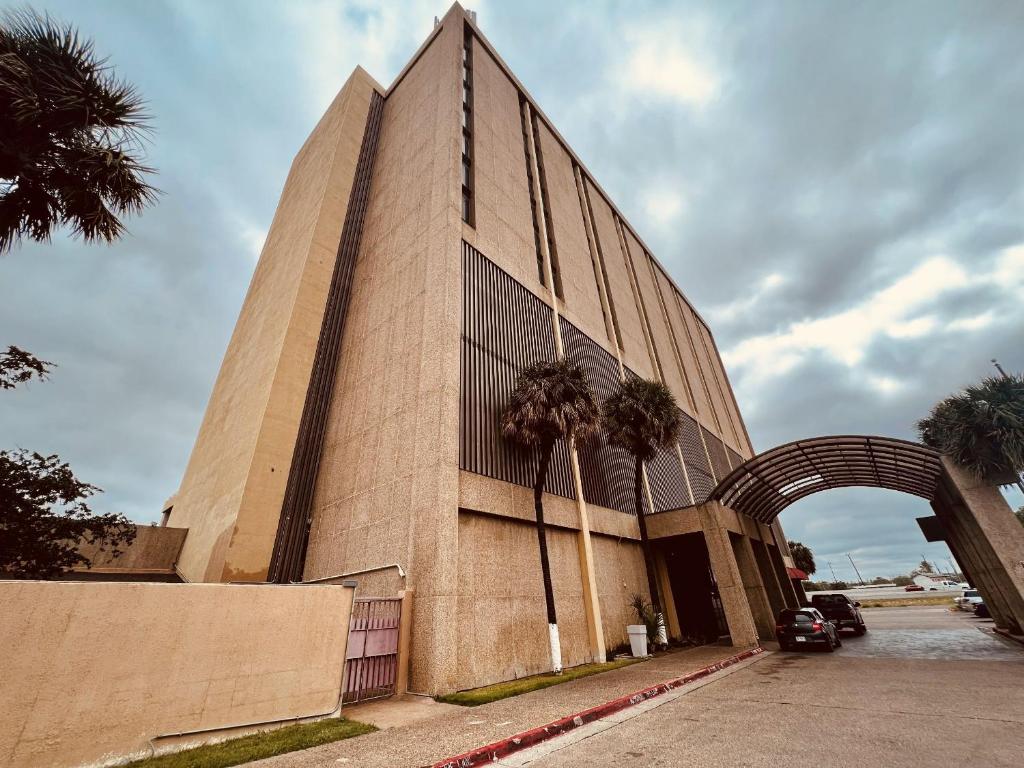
(846, 144)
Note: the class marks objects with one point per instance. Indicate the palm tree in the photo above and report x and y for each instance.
(981, 428)
(642, 417)
(552, 401)
(70, 135)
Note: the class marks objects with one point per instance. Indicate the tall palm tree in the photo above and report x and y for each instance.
(642, 417)
(70, 135)
(981, 428)
(552, 401)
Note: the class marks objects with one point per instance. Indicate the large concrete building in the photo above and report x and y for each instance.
(432, 239)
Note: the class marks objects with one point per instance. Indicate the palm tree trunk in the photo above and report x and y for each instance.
(645, 544)
(545, 568)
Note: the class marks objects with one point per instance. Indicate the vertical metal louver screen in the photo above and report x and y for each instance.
(504, 329)
(716, 450)
(734, 458)
(668, 486)
(697, 466)
(606, 472)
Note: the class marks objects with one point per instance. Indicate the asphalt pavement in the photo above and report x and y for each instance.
(925, 687)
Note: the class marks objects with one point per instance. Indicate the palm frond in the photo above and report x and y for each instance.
(642, 417)
(551, 401)
(981, 428)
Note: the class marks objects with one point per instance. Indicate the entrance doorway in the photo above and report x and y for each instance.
(698, 605)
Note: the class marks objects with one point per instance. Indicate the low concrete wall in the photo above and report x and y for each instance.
(93, 672)
(153, 553)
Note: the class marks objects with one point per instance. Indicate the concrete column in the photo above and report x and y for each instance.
(727, 575)
(591, 603)
(789, 595)
(753, 584)
(971, 560)
(404, 643)
(1001, 537)
(771, 581)
(801, 596)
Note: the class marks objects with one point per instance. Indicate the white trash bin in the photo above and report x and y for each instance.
(637, 639)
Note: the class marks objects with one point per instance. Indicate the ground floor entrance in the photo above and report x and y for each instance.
(698, 605)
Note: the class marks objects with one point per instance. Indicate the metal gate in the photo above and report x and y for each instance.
(371, 662)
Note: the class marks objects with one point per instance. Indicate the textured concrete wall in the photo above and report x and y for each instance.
(230, 496)
(155, 549)
(620, 575)
(93, 672)
(387, 490)
(581, 302)
(504, 224)
(502, 620)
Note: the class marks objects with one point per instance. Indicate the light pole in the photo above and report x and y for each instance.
(861, 578)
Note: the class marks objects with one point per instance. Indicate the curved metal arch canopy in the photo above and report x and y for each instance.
(766, 484)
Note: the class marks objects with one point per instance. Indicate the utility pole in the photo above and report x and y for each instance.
(834, 579)
(999, 368)
(861, 578)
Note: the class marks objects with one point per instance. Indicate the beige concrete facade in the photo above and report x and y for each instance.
(389, 488)
(95, 673)
(231, 494)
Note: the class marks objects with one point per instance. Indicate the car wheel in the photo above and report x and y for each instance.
(839, 641)
(829, 648)
(860, 629)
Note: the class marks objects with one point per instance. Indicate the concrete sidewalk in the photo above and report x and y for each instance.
(455, 730)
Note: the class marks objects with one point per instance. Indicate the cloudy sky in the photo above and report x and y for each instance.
(838, 187)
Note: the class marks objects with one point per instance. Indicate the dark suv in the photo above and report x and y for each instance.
(841, 611)
(799, 628)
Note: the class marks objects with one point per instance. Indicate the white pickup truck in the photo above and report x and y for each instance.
(968, 599)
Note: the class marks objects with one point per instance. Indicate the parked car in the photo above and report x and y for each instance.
(797, 628)
(913, 588)
(967, 600)
(841, 611)
(981, 611)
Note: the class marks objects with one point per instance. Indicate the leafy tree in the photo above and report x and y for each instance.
(18, 367)
(641, 417)
(43, 514)
(552, 401)
(803, 557)
(981, 428)
(44, 518)
(902, 581)
(925, 567)
(70, 135)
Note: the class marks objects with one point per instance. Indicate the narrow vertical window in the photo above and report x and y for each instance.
(545, 205)
(541, 275)
(467, 128)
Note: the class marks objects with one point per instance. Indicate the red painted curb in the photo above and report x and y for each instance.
(507, 746)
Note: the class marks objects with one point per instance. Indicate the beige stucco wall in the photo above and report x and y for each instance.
(94, 671)
(155, 549)
(231, 494)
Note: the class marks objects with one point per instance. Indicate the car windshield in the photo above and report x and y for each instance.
(971, 593)
(829, 599)
(798, 616)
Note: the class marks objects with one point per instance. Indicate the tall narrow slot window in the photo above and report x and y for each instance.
(467, 128)
(533, 197)
(545, 207)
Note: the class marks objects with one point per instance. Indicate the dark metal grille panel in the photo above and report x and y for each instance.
(504, 329)
(716, 450)
(701, 479)
(734, 458)
(606, 472)
(668, 486)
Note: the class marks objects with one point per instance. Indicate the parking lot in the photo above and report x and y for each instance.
(924, 687)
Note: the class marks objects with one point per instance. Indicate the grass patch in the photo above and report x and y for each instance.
(474, 697)
(907, 602)
(256, 746)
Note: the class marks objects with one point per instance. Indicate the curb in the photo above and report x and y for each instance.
(507, 746)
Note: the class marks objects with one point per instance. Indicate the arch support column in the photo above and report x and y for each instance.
(731, 589)
(981, 517)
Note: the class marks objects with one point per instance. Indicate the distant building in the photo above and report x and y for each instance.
(432, 239)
